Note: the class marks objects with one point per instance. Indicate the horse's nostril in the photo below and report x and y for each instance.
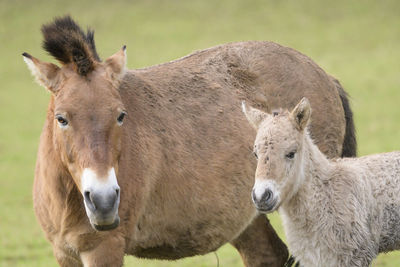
(89, 200)
(117, 191)
(86, 194)
(267, 195)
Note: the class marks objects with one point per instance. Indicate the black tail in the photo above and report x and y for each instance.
(350, 143)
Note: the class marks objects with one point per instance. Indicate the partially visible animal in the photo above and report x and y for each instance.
(339, 212)
(157, 162)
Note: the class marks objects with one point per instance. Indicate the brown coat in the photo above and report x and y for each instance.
(183, 158)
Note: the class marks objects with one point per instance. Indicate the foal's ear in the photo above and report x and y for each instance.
(46, 74)
(253, 115)
(301, 114)
(116, 64)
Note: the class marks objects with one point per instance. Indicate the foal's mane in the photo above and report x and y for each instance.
(68, 43)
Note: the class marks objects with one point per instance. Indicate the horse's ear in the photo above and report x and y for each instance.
(116, 64)
(46, 74)
(301, 114)
(253, 115)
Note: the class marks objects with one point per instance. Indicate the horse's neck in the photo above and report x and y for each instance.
(317, 165)
(299, 214)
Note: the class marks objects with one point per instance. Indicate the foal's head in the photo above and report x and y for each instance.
(86, 116)
(279, 148)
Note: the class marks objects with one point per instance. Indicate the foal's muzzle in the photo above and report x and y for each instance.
(266, 202)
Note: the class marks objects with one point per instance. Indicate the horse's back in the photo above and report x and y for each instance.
(384, 175)
(377, 181)
(267, 75)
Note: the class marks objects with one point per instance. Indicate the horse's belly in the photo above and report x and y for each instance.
(181, 246)
(187, 237)
(203, 199)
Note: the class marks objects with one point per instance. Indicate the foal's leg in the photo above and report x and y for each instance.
(110, 252)
(259, 245)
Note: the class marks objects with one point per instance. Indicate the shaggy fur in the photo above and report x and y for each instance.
(182, 156)
(335, 212)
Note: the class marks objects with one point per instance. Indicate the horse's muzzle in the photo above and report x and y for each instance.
(266, 203)
(102, 208)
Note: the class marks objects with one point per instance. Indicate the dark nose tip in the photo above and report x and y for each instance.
(101, 202)
(265, 198)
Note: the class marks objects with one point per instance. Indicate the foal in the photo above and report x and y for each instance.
(335, 212)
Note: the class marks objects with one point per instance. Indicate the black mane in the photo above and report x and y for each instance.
(68, 43)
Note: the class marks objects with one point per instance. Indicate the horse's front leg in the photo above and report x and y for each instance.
(109, 252)
(66, 258)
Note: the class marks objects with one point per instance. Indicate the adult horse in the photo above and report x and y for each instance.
(172, 179)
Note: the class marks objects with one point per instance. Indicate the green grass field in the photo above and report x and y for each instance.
(356, 41)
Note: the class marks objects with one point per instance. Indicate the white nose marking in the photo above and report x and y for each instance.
(261, 185)
(91, 181)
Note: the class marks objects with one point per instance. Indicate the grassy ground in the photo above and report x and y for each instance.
(356, 41)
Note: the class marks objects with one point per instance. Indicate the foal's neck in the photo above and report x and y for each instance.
(317, 164)
(315, 169)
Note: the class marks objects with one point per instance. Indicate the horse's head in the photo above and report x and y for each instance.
(279, 148)
(86, 115)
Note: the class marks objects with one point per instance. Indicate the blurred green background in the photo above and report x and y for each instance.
(355, 41)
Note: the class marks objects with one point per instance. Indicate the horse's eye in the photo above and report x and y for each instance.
(61, 120)
(121, 117)
(291, 155)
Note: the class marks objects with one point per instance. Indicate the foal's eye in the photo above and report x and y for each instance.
(121, 117)
(291, 155)
(255, 155)
(61, 120)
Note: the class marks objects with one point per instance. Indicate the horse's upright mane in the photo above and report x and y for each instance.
(68, 43)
